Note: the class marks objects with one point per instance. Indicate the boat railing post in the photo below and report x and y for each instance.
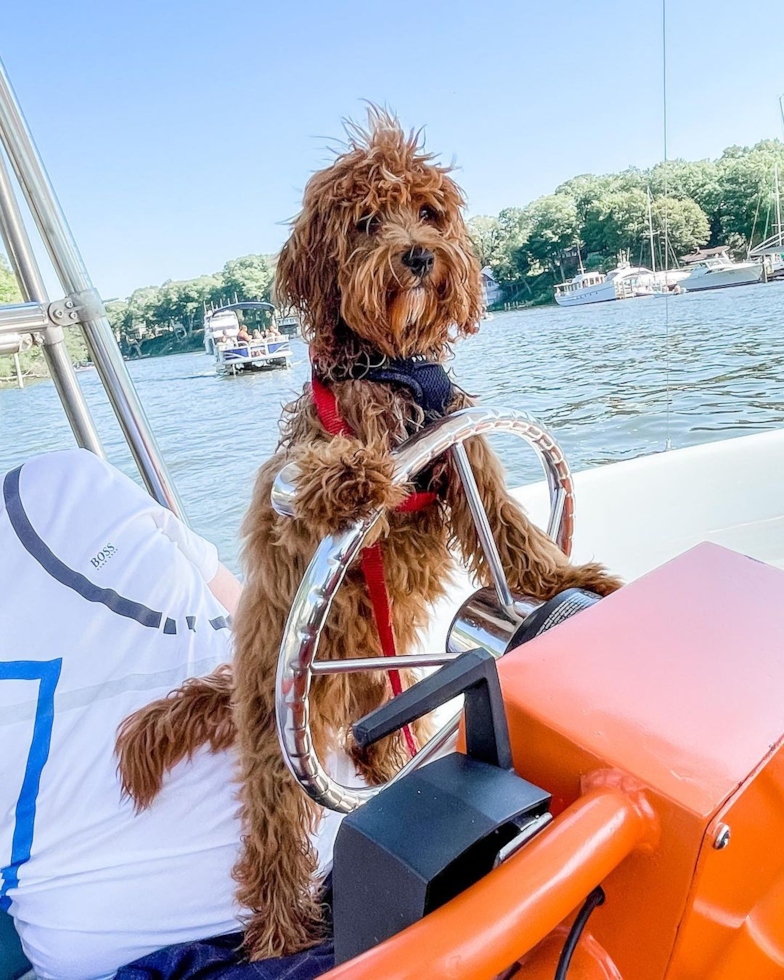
(67, 261)
(28, 275)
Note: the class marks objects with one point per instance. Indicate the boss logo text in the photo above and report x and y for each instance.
(99, 560)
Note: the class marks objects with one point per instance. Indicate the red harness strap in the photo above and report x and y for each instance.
(373, 556)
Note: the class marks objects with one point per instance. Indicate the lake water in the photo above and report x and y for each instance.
(602, 377)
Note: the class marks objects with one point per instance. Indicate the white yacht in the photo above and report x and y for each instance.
(624, 282)
(289, 325)
(712, 268)
(669, 280)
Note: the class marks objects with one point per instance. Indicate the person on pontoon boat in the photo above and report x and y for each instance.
(107, 602)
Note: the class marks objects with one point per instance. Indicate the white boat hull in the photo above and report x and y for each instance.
(670, 279)
(601, 293)
(743, 274)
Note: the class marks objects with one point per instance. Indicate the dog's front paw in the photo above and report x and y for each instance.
(342, 481)
(592, 577)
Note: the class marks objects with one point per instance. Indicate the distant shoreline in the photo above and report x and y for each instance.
(38, 371)
(163, 345)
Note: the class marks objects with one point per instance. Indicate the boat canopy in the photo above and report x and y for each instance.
(250, 305)
(719, 252)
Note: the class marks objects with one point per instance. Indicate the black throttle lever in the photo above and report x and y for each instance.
(435, 831)
(473, 674)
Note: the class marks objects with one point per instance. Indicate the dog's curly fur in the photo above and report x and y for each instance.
(342, 269)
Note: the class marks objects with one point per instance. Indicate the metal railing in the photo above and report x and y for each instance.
(80, 307)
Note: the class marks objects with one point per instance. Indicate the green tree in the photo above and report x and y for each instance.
(746, 177)
(183, 302)
(682, 222)
(697, 180)
(631, 179)
(616, 221)
(554, 230)
(144, 307)
(9, 289)
(586, 189)
(485, 235)
(117, 313)
(250, 277)
(510, 259)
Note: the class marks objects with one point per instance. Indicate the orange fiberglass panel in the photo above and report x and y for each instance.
(675, 684)
(734, 923)
(653, 718)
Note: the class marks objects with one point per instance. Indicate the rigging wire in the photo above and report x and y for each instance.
(668, 406)
(754, 225)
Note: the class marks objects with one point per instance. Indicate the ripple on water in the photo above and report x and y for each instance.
(601, 376)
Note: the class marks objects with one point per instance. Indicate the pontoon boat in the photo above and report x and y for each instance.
(233, 353)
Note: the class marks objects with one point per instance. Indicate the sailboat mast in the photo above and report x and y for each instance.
(650, 232)
(778, 202)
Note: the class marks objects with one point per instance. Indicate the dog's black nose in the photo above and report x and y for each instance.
(419, 260)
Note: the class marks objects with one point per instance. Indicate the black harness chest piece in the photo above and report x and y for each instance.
(427, 381)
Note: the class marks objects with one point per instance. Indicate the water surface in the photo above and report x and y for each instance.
(614, 381)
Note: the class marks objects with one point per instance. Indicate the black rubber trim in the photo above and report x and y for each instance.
(565, 960)
(555, 611)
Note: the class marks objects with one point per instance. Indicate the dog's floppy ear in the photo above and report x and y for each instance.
(470, 306)
(306, 273)
(468, 322)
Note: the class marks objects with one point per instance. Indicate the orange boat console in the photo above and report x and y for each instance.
(655, 721)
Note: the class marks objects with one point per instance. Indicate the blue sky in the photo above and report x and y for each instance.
(180, 133)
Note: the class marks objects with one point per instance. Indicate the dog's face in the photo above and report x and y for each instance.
(381, 246)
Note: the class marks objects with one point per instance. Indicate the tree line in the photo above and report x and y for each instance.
(178, 306)
(589, 219)
(592, 219)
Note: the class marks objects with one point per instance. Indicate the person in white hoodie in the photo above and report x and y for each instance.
(107, 602)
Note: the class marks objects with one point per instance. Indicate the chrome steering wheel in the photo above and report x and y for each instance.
(297, 664)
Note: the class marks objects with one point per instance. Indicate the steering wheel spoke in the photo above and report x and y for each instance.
(406, 662)
(483, 529)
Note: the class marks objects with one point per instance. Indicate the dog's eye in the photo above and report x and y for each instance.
(369, 225)
(426, 213)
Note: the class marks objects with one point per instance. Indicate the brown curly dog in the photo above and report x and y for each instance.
(380, 266)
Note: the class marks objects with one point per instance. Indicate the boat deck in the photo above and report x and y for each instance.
(635, 515)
